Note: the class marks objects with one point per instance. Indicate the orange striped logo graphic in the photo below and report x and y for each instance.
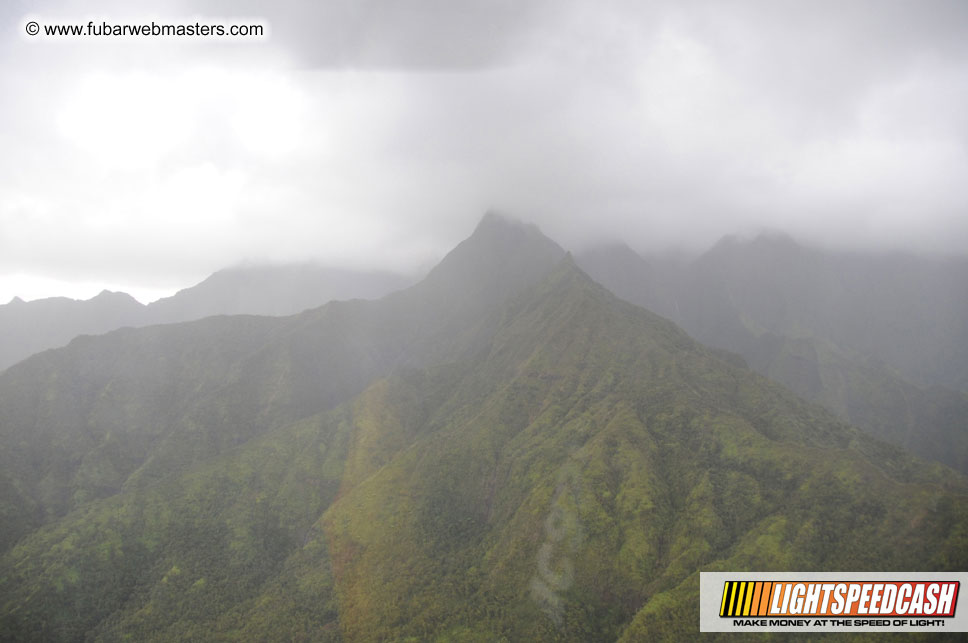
(746, 598)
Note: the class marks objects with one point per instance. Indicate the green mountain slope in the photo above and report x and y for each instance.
(137, 405)
(929, 421)
(564, 479)
(588, 487)
(875, 339)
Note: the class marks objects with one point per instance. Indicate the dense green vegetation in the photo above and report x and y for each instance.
(540, 462)
(879, 339)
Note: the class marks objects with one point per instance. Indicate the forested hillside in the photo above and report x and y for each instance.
(505, 451)
(877, 338)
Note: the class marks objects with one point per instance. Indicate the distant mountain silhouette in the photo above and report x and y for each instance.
(30, 327)
(272, 290)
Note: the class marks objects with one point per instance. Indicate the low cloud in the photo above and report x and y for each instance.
(377, 133)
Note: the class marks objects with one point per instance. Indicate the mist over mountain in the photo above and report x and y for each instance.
(503, 450)
(416, 419)
(30, 327)
(137, 403)
(272, 290)
(909, 311)
(881, 339)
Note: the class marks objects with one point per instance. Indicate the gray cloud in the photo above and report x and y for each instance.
(414, 35)
(376, 133)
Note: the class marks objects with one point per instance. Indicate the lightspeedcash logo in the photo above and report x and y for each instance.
(767, 598)
(831, 602)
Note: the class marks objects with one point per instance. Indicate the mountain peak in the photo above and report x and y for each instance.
(113, 296)
(502, 256)
(496, 227)
(494, 218)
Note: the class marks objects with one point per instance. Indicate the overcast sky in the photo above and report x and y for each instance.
(376, 133)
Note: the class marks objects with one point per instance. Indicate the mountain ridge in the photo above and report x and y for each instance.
(830, 326)
(246, 371)
(277, 290)
(560, 471)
